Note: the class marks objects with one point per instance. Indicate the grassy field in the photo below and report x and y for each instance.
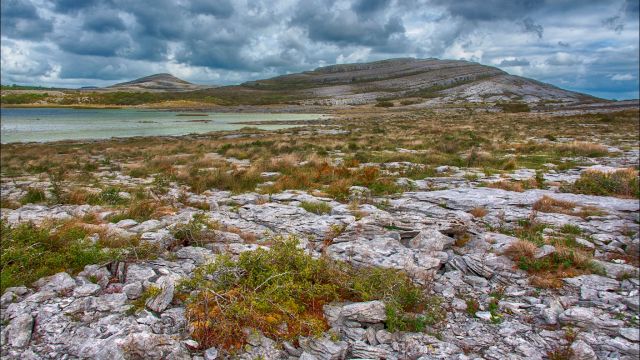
(331, 163)
(325, 164)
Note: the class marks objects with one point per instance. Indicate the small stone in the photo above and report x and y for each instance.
(133, 290)
(545, 250)
(367, 312)
(146, 226)
(137, 273)
(7, 298)
(431, 240)
(596, 282)
(86, 290)
(19, 330)
(632, 334)
(484, 315)
(550, 314)
(632, 302)
(459, 304)
(60, 282)
(126, 223)
(585, 243)
(475, 281)
(324, 348)
(582, 351)
(361, 350)
(211, 354)
(197, 254)
(160, 302)
(371, 336)
(191, 344)
(290, 349)
(385, 337)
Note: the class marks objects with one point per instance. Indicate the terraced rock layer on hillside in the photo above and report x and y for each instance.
(449, 80)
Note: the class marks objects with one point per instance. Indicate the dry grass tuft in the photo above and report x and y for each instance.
(507, 185)
(521, 249)
(581, 148)
(478, 212)
(548, 204)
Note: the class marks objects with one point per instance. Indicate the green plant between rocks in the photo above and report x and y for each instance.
(29, 252)
(282, 291)
(316, 207)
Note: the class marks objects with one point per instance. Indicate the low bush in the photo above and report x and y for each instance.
(514, 107)
(548, 204)
(111, 196)
(621, 183)
(281, 292)
(567, 260)
(29, 252)
(33, 196)
(580, 148)
(196, 232)
(141, 210)
(384, 104)
(316, 207)
(28, 98)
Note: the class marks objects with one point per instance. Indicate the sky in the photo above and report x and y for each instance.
(589, 46)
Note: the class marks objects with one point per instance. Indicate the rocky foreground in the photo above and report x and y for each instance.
(492, 310)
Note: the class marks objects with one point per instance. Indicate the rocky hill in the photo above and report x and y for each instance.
(156, 82)
(444, 80)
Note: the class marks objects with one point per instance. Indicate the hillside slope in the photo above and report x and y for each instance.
(156, 82)
(445, 80)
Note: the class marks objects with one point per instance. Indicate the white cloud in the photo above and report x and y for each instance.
(622, 77)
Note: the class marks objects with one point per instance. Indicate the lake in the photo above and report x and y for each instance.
(51, 124)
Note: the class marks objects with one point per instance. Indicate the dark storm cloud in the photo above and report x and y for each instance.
(16, 9)
(369, 6)
(66, 6)
(487, 10)
(631, 8)
(163, 19)
(92, 43)
(230, 41)
(326, 24)
(103, 21)
(20, 20)
(532, 27)
(219, 8)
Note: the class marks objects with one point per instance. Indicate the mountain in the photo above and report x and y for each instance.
(437, 80)
(405, 81)
(157, 82)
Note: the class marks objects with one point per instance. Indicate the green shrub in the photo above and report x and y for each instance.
(33, 196)
(571, 229)
(316, 207)
(141, 210)
(384, 104)
(28, 252)
(195, 232)
(281, 292)
(28, 98)
(623, 183)
(514, 107)
(111, 196)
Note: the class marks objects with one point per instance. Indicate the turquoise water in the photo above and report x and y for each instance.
(51, 124)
